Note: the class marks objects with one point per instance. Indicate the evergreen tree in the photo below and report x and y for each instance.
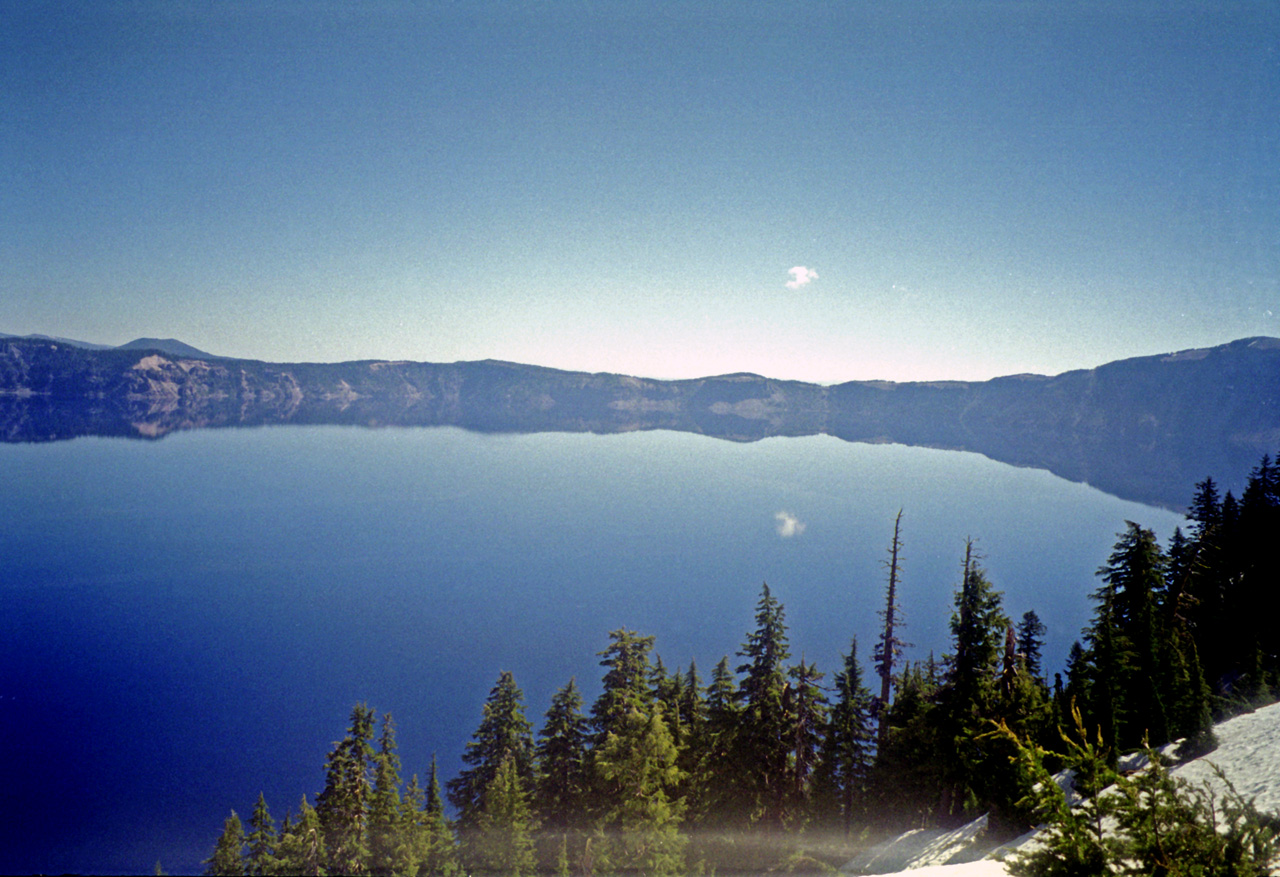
(848, 747)
(562, 787)
(1077, 692)
(889, 647)
(562, 761)
(262, 840)
(504, 735)
(626, 680)
(907, 774)
(637, 764)
(968, 699)
(387, 852)
(764, 740)
(625, 690)
(228, 854)
(501, 841)
(441, 848)
(301, 849)
(413, 848)
(693, 705)
(343, 806)
(806, 708)
(1030, 641)
(1134, 581)
(714, 781)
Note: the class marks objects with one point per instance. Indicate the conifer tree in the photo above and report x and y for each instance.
(626, 680)
(441, 848)
(1135, 587)
(562, 761)
(561, 794)
(626, 689)
(637, 766)
(301, 849)
(386, 850)
(763, 742)
(228, 854)
(343, 806)
(849, 745)
(807, 717)
(262, 840)
(907, 774)
(714, 781)
(504, 735)
(968, 698)
(413, 834)
(1030, 642)
(501, 839)
(693, 705)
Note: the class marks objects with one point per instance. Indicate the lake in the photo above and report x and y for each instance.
(189, 621)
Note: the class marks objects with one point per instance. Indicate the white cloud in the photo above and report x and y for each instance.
(788, 525)
(800, 276)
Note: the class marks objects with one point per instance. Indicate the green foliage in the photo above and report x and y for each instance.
(501, 839)
(343, 805)
(561, 795)
(262, 840)
(763, 741)
(1150, 823)
(228, 853)
(504, 735)
(637, 764)
(302, 848)
(848, 747)
(969, 696)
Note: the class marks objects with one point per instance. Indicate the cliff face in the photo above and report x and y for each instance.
(1143, 429)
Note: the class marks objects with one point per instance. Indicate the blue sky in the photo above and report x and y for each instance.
(977, 188)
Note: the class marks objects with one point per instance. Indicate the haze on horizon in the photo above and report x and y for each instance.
(802, 190)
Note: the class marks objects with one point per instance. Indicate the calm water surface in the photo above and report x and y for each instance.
(188, 622)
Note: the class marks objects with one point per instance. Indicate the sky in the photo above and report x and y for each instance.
(818, 191)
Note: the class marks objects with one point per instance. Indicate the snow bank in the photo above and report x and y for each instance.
(1248, 755)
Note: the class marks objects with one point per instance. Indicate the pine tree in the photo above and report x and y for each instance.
(1134, 584)
(501, 841)
(889, 647)
(626, 680)
(442, 849)
(228, 854)
(763, 741)
(637, 765)
(262, 840)
(562, 761)
(343, 806)
(561, 795)
(301, 849)
(626, 690)
(715, 776)
(807, 711)
(1030, 641)
(849, 744)
(413, 848)
(907, 774)
(504, 735)
(968, 698)
(386, 851)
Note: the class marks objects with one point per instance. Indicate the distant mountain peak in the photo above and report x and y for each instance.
(171, 346)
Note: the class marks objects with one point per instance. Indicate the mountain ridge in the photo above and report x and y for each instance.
(1142, 428)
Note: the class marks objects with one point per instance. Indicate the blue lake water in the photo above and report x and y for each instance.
(186, 622)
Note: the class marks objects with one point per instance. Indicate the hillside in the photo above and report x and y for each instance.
(1248, 755)
(1141, 429)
